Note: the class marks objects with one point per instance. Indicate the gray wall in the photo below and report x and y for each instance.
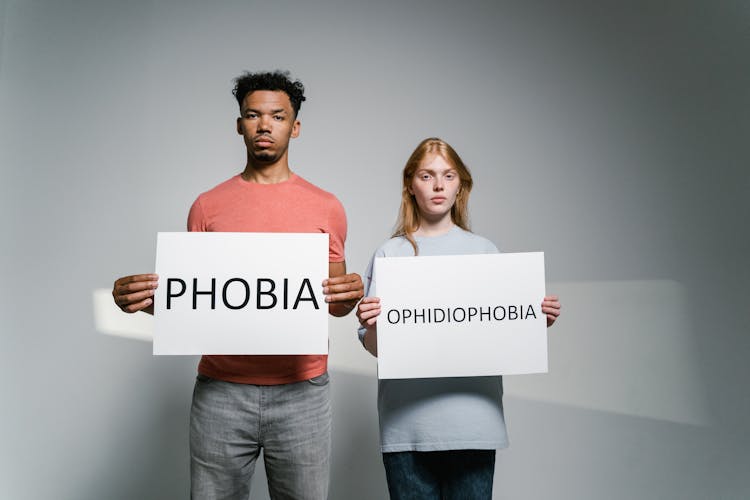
(611, 135)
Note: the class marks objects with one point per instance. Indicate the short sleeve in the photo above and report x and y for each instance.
(196, 218)
(336, 231)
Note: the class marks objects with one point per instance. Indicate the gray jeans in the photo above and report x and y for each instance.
(230, 423)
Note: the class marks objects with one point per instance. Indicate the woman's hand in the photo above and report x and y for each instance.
(551, 307)
(367, 313)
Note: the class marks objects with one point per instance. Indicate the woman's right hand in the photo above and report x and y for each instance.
(368, 311)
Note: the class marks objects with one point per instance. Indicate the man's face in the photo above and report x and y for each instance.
(267, 122)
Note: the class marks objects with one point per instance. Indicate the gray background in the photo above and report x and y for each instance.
(611, 135)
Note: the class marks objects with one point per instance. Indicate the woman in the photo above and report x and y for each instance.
(438, 435)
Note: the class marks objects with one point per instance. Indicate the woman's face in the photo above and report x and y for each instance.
(434, 186)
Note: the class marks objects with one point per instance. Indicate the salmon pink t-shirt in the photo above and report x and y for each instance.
(292, 206)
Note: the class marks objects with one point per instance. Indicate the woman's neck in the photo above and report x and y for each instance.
(434, 227)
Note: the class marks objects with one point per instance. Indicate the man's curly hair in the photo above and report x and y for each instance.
(270, 80)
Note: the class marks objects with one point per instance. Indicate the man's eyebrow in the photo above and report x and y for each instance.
(273, 111)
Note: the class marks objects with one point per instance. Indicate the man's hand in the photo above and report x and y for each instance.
(368, 311)
(136, 292)
(343, 292)
(551, 307)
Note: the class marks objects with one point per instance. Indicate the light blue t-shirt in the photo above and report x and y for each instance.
(432, 414)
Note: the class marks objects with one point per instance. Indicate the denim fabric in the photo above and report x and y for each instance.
(230, 423)
(440, 475)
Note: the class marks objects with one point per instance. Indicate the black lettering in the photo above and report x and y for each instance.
(398, 316)
(435, 315)
(406, 314)
(169, 290)
(512, 312)
(224, 293)
(494, 313)
(211, 292)
(418, 315)
(305, 285)
(259, 293)
(463, 314)
(530, 311)
(472, 312)
(482, 314)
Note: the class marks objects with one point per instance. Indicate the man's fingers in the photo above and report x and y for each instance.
(344, 297)
(340, 284)
(128, 298)
(344, 278)
(137, 306)
(133, 287)
(344, 287)
(136, 278)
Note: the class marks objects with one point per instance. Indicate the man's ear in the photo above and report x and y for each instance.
(295, 129)
(239, 125)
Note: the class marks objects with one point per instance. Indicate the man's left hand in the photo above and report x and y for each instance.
(343, 292)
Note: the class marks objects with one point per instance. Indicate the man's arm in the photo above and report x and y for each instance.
(342, 290)
(136, 292)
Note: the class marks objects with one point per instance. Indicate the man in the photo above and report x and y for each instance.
(281, 404)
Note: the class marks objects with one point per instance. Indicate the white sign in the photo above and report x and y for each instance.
(461, 315)
(241, 293)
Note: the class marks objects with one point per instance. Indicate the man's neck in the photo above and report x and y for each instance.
(267, 174)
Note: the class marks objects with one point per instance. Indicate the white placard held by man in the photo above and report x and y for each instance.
(241, 293)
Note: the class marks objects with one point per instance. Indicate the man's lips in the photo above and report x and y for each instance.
(263, 141)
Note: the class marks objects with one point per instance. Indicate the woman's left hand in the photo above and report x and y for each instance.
(551, 307)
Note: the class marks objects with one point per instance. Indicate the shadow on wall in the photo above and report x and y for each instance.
(621, 346)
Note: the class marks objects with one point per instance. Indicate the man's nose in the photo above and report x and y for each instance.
(264, 124)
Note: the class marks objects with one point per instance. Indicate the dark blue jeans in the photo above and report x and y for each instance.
(440, 475)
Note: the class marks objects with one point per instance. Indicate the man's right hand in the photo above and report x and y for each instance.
(136, 292)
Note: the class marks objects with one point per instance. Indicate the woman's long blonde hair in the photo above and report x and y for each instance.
(408, 216)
